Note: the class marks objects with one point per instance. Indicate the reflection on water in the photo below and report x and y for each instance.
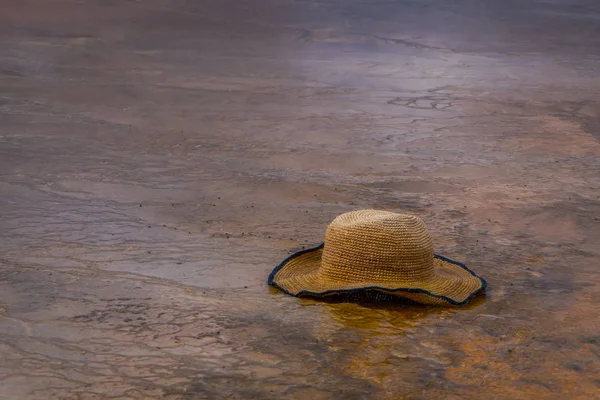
(374, 310)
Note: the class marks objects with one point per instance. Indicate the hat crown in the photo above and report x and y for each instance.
(372, 246)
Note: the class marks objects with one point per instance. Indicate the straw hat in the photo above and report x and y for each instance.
(382, 251)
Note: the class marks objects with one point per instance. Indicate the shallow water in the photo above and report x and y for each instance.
(159, 158)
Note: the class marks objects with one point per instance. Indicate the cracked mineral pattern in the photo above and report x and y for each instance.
(158, 158)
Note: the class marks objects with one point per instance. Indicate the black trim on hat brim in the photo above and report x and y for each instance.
(271, 282)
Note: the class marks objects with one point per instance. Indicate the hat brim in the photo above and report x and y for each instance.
(453, 283)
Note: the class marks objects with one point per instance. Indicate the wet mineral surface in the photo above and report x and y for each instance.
(158, 159)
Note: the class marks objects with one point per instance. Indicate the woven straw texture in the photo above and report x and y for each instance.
(377, 250)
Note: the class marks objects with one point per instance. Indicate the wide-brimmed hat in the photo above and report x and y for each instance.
(382, 251)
